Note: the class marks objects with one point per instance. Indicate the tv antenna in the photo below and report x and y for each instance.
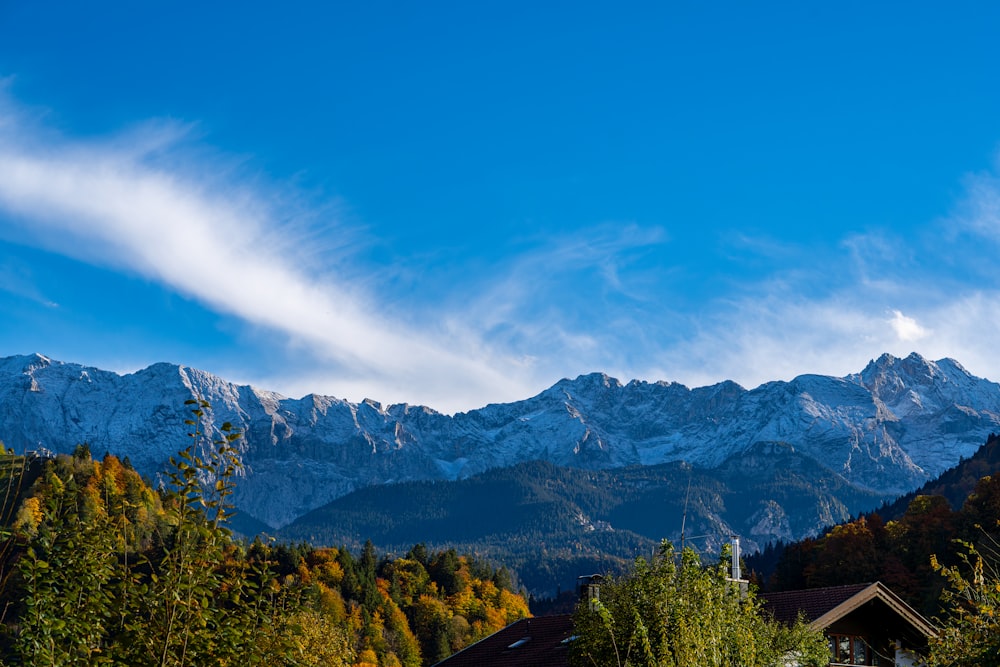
(684, 516)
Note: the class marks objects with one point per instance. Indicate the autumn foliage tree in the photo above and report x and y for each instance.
(98, 568)
(970, 616)
(969, 634)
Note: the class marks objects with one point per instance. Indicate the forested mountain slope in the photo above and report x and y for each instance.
(553, 524)
(898, 543)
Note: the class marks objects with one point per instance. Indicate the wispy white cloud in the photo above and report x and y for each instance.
(568, 303)
(979, 210)
(773, 337)
(16, 279)
(135, 204)
(805, 310)
(154, 202)
(925, 292)
(907, 329)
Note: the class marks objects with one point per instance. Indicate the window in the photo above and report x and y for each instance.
(851, 650)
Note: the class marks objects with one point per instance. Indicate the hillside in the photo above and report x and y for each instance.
(955, 484)
(897, 543)
(552, 524)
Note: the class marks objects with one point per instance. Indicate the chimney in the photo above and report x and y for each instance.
(588, 587)
(737, 575)
(736, 558)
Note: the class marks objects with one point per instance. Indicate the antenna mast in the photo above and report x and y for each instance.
(685, 515)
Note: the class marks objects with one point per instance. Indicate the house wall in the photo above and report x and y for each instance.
(906, 659)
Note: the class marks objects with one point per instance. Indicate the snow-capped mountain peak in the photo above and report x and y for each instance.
(889, 427)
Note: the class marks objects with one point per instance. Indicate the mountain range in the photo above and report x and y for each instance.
(786, 458)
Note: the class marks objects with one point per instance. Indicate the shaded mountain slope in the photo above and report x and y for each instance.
(552, 523)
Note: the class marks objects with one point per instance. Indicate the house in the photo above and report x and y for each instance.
(866, 624)
(529, 642)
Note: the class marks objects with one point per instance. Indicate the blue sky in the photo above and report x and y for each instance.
(461, 203)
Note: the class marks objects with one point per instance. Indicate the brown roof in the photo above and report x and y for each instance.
(531, 642)
(812, 603)
(824, 606)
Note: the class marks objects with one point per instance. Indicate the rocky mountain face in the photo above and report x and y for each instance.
(887, 429)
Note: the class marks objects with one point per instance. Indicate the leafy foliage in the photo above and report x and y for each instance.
(105, 570)
(666, 613)
(970, 630)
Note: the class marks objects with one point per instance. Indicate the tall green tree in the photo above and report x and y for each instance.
(201, 601)
(100, 581)
(66, 572)
(672, 611)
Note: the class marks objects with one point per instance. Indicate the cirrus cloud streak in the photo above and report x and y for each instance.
(112, 203)
(611, 297)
